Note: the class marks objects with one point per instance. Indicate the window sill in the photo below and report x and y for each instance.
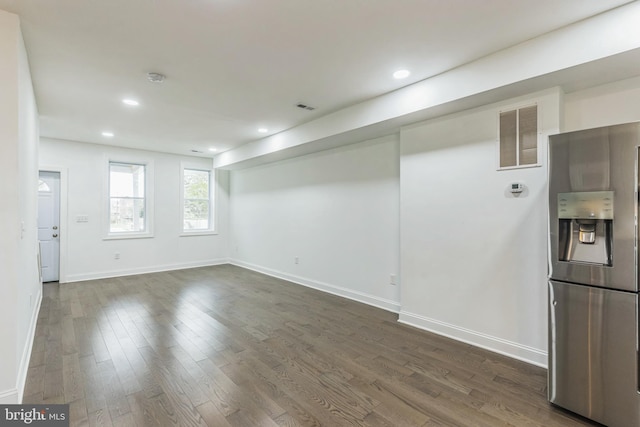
(509, 168)
(198, 233)
(125, 236)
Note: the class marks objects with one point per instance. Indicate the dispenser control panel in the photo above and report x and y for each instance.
(585, 205)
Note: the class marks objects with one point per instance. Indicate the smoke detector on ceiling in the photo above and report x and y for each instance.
(155, 77)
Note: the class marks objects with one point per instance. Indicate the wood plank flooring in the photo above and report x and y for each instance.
(224, 346)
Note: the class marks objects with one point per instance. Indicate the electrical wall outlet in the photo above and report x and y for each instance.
(116, 255)
(393, 280)
(296, 260)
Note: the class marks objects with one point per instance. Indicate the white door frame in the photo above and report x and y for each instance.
(64, 221)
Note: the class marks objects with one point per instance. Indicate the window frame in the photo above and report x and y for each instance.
(148, 199)
(194, 166)
(517, 109)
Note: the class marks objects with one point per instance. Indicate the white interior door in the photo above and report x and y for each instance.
(49, 224)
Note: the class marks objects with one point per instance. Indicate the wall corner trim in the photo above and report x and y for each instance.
(511, 349)
(372, 300)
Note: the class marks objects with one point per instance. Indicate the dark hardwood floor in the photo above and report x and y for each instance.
(224, 346)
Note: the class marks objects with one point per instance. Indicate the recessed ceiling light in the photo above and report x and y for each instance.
(107, 134)
(401, 74)
(213, 149)
(131, 102)
(263, 130)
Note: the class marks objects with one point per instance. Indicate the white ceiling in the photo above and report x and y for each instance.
(233, 66)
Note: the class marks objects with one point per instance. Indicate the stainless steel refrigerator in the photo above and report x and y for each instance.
(593, 280)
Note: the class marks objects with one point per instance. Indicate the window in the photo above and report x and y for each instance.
(127, 200)
(196, 200)
(43, 187)
(519, 137)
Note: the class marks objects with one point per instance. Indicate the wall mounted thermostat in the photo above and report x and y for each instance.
(517, 188)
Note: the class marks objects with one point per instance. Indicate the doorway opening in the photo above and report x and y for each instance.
(49, 225)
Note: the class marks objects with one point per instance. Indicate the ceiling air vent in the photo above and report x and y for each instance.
(305, 107)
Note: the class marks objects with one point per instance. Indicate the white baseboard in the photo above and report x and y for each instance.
(143, 270)
(372, 300)
(26, 352)
(498, 345)
(9, 397)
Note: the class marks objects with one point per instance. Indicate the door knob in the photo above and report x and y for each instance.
(55, 227)
(55, 235)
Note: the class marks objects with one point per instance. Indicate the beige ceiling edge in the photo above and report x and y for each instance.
(586, 42)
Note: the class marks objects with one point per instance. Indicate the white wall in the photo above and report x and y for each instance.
(337, 211)
(88, 254)
(20, 287)
(473, 256)
(604, 105)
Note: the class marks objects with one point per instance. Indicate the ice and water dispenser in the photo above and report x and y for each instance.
(585, 233)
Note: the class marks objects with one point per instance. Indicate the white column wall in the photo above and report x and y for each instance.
(88, 255)
(336, 211)
(20, 286)
(10, 215)
(473, 255)
(30, 292)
